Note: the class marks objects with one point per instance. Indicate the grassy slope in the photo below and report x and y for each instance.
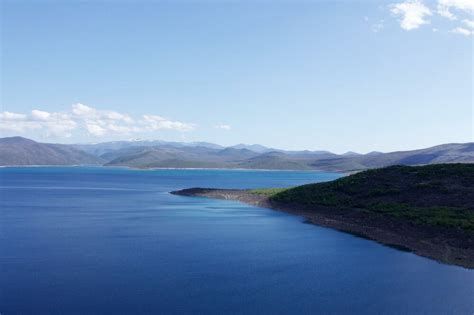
(439, 195)
(268, 191)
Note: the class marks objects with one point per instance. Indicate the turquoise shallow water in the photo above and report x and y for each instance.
(113, 241)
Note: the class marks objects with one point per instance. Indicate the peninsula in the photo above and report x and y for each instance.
(428, 210)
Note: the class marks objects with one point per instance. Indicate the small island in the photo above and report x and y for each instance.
(428, 210)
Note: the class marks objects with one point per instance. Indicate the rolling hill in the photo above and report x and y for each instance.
(22, 151)
(154, 154)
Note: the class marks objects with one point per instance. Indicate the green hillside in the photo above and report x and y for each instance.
(439, 195)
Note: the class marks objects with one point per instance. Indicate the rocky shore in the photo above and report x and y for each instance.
(446, 245)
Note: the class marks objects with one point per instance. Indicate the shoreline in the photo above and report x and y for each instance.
(449, 246)
(181, 168)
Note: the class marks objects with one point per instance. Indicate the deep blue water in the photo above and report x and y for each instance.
(113, 241)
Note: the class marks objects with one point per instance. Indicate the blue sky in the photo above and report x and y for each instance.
(338, 76)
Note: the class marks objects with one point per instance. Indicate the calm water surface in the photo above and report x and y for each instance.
(98, 240)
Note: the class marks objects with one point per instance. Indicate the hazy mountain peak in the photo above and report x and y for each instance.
(351, 153)
(252, 147)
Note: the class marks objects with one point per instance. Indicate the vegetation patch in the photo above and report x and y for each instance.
(436, 195)
(268, 191)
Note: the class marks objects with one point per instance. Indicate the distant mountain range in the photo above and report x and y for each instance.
(22, 151)
(162, 154)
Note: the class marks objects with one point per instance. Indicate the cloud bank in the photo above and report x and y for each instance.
(414, 13)
(85, 119)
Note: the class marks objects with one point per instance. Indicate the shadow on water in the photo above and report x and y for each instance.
(365, 237)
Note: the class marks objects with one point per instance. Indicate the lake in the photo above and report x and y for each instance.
(80, 240)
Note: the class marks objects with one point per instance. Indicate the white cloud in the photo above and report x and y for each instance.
(412, 14)
(82, 118)
(91, 113)
(154, 122)
(461, 7)
(469, 23)
(100, 123)
(16, 122)
(461, 31)
(83, 110)
(40, 115)
(444, 12)
(445, 7)
(95, 130)
(9, 116)
(53, 124)
(222, 126)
